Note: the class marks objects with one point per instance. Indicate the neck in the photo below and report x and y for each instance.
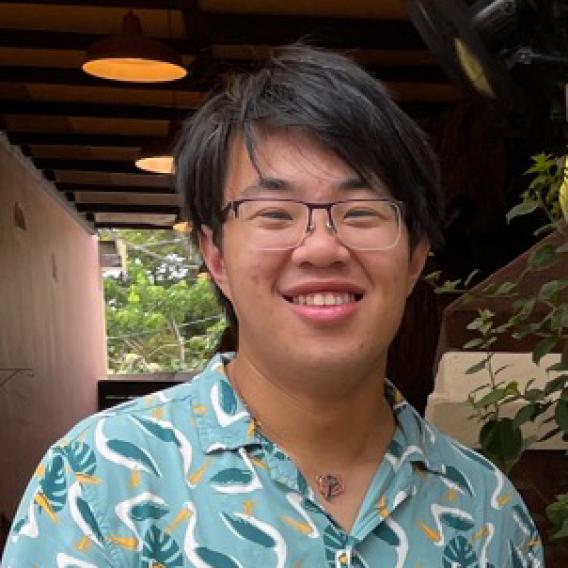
(336, 423)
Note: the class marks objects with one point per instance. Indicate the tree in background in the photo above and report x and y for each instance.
(161, 313)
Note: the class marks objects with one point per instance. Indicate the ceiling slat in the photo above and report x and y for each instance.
(122, 208)
(84, 188)
(42, 108)
(109, 166)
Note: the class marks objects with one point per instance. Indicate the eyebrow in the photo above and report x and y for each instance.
(277, 184)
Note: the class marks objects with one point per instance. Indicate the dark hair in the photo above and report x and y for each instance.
(333, 98)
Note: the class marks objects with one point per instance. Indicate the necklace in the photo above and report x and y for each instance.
(329, 485)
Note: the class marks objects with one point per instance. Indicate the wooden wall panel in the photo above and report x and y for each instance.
(51, 322)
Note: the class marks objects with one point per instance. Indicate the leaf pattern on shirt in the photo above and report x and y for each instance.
(148, 510)
(458, 480)
(214, 559)
(459, 553)
(134, 454)
(81, 458)
(160, 548)
(52, 495)
(102, 519)
(232, 475)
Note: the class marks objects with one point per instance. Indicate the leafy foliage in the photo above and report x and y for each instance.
(161, 314)
(501, 438)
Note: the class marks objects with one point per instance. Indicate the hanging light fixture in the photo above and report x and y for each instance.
(182, 227)
(157, 156)
(130, 56)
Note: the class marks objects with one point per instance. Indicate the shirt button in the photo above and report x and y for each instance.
(343, 558)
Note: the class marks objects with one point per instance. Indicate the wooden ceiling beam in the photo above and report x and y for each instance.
(249, 29)
(84, 188)
(126, 4)
(138, 112)
(121, 208)
(77, 139)
(133, 226)
(107, 166)
(41, 39)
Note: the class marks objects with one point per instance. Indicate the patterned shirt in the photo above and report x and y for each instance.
(182, 478)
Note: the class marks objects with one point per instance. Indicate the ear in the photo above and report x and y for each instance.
(417, 261)
(213, 258)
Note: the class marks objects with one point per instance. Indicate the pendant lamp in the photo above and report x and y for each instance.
(157, 156)
(130, 56)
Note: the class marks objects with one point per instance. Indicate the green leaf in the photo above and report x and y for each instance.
(559, 318)
(459, 552)
(505, 288)
(542, 258)
(534, 395)
(472, 343)
(491, 398)
(502, 442)
(525, 414)
(556, 384)
(477, 367)
(543, 347)
(512, 389)
(522, 309)
(561, 414)
(524, 208)
(549, 289)
(432, 276)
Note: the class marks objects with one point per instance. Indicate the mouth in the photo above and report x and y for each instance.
(324, 298)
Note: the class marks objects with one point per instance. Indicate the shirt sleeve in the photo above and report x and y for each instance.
(523, 547)
(56, 525)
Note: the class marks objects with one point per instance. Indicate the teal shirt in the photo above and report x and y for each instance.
(181, 478)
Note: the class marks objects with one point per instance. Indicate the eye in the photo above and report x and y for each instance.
(360, 212)
(277, 214)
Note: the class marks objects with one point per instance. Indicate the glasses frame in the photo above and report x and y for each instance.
(397, 205)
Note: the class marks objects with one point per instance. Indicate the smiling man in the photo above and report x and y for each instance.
(315, 202)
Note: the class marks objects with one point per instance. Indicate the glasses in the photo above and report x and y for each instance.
(282, 224)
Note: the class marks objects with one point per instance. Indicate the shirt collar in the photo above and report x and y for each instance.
(223, 421)
(414, 440)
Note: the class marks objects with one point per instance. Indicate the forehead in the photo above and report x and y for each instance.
(293, 157)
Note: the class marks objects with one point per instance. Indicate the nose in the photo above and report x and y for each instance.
(320, 245)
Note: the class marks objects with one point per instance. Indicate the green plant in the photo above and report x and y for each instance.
(501, 436)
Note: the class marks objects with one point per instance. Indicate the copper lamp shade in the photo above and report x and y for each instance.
(130, 56)
(157, 156)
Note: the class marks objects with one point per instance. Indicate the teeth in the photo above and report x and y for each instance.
(324, 299)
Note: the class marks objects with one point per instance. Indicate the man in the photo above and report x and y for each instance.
(315, 202)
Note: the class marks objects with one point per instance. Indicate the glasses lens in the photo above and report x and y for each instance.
(274, 224)
(367, 224)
